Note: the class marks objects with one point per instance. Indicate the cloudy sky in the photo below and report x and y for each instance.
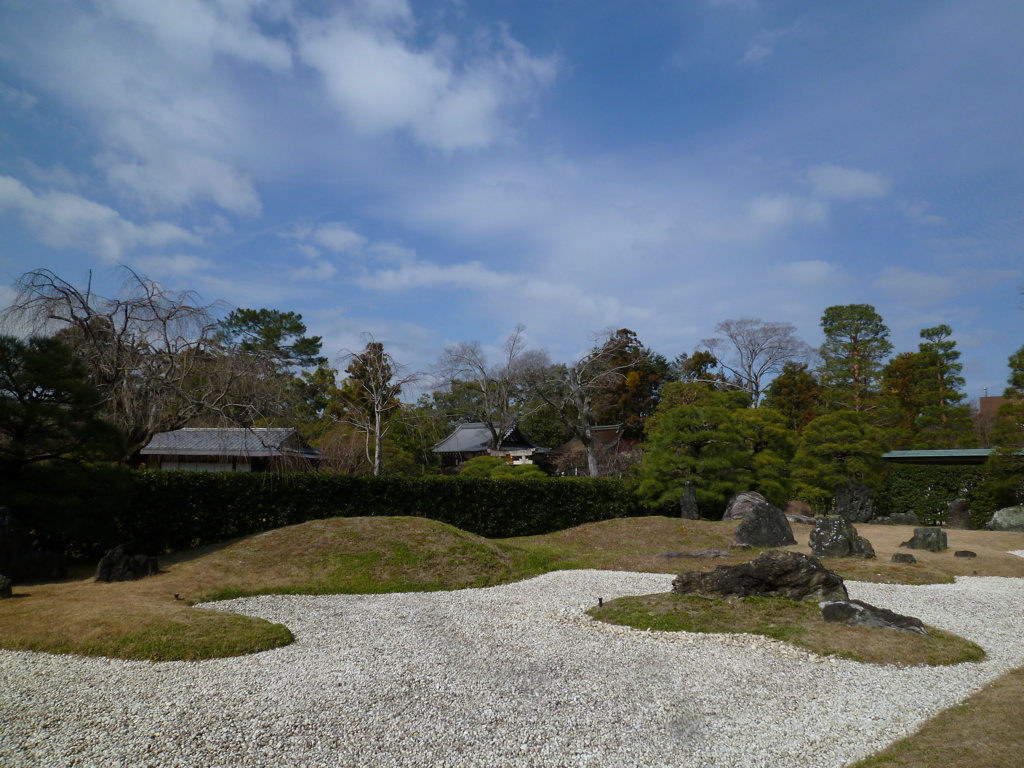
(435, 172)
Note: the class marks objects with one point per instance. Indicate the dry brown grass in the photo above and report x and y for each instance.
(983, 732)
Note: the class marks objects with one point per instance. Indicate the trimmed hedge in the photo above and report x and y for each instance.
(927, 489)
(181, 510)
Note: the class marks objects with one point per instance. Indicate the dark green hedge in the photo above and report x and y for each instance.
(181, 510)
(926, 490)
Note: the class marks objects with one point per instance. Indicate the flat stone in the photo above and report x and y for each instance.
(965, 553)
(779, 573)
(857, 613)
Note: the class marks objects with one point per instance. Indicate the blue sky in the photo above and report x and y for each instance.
(436, 172)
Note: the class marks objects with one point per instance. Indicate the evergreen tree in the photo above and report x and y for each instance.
(796, 394)
(856, 343)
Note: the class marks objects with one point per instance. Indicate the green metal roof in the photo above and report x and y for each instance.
(948, 456)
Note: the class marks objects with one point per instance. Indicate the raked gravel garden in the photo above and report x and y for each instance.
(513, 675)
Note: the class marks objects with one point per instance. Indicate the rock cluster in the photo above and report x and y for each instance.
(765, 526)
(930, 539)
(857, 613)
(781, 573)
(834, 536)
(121, 565)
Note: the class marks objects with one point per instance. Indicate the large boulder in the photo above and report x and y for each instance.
(930, 539)
(740, 504)
(21, 559)
(765, 526)
(781, 573)
(834, 536)
(860, 614)
(958, 516)
(120, 565)
(854, 502)
(1007, 519)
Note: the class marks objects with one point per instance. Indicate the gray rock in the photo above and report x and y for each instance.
(781, 573)
(854, 502)
(900, 518)
(903, 557)
(965, 553)
(1007, 519)
(740, 504)
(765, 526)
(931, 539)
(857, 613)
(958, 516)
(834, 536)
(688, 503)
(120, 565)
(5, 587)
(802, 519)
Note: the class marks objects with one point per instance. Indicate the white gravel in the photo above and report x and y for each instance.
(515, 675)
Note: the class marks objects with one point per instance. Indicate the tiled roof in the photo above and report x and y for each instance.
(268, 441)
(476, 437)
(945, 456)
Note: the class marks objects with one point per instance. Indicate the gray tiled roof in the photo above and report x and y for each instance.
(271, 441)
(476, 437)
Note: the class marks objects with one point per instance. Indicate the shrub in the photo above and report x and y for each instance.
(927, 489)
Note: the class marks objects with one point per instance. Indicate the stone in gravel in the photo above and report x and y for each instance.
(965, 553)
(958, 517)
(854, 502)
(903, 557)
(857, 613)
(1007, 519)
(765, 526)
(120, 565)
(5, 587)
(740, 504)
(835, 536)
(781, 573)
(931, 539)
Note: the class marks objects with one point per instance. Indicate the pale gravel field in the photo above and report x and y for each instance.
(515, 675)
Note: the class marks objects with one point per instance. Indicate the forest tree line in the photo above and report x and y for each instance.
(89, 378)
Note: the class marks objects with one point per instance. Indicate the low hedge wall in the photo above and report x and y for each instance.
(927, 489)
(181, 510)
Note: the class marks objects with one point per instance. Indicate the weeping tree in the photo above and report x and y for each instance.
(151, 352)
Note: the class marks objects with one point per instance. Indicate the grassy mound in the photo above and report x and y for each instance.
(797, 623)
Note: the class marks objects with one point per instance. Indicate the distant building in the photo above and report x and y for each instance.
(613, 450)
(945, 456)
(471, 440)
(230, 450)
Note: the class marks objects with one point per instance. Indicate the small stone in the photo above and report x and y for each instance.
(903, 557)
(965, 553)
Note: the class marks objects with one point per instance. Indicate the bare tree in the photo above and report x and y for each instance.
(753, 351)
(494, 392)
(370, 396)
(150, 351)
(573, 391)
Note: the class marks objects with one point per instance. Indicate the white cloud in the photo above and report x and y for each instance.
(778, 211)
(338, 238)
(64, 220)
(16, 100)
(833, 182)
(811, 273)
(928, 288)
(381, 82)
(174, 265)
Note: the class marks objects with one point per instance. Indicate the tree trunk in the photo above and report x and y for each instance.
(378, 463)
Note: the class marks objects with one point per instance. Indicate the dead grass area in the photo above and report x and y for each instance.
(797, 623)
(983, 732)
(992, 549)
